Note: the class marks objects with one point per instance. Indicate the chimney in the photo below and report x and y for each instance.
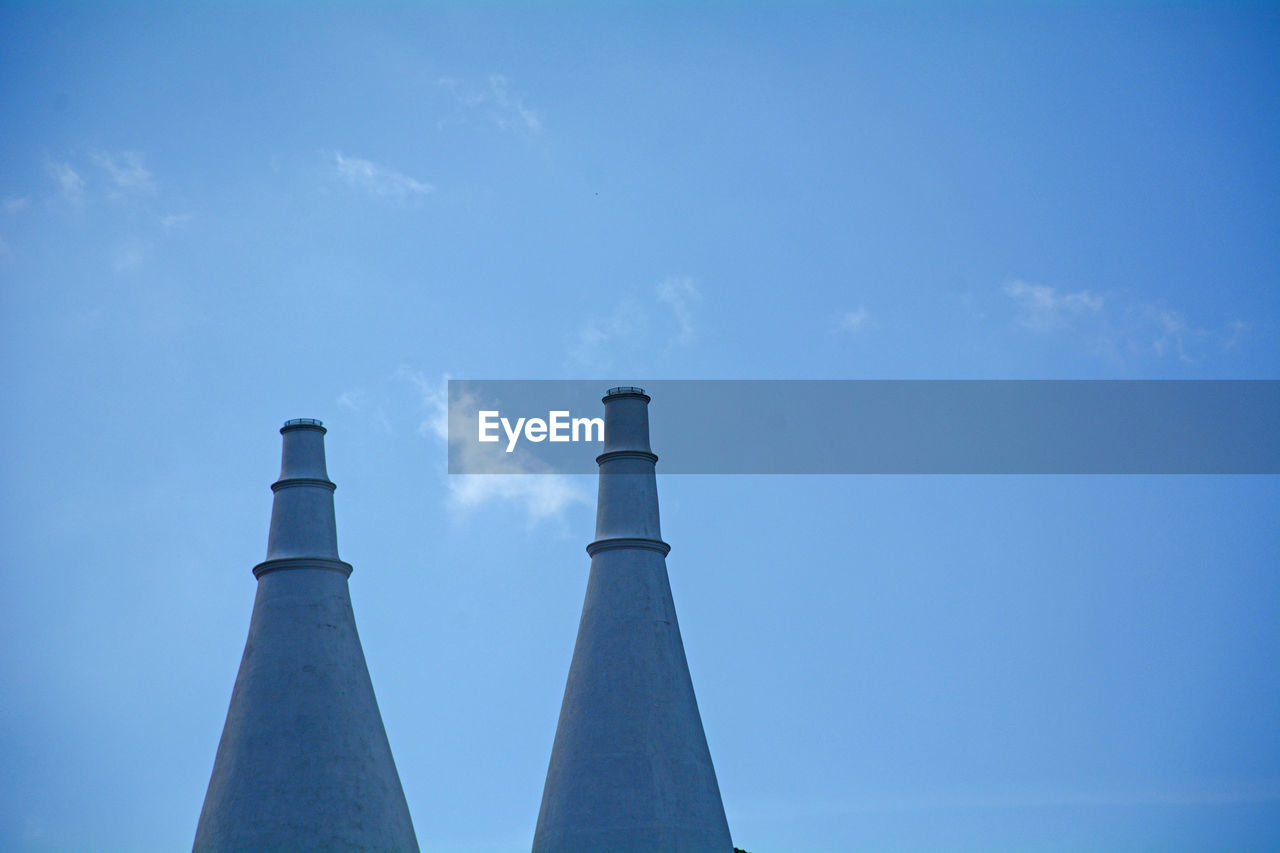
(304, 762)
(630, 769)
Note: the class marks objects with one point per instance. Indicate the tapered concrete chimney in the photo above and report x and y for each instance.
(630, 769)
(304, 762)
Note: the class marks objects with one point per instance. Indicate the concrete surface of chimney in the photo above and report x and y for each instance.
(630, 770)
(304, 762)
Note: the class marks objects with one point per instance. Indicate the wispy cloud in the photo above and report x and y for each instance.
(542, 496)
(680, 293)
(126, 173)
(639, 328)
(120, 177)
(1043, 307)
(1234, 332)
(495, 101)
(68, 181)
(356, 401)
(511, 109)
(352, 399)
(174, 221)
(853, 322)
(378, 181)
(1156, 328)
(1118, 328)
(128, 256)
(601, 340)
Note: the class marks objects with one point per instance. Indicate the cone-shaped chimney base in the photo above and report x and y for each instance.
(304, 763)
(630, 769)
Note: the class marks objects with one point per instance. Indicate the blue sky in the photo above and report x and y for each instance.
(216, 218)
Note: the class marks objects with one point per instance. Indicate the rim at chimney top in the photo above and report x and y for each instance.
(625, 390)
(303, 423)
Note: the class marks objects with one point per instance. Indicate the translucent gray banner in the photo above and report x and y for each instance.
(878, 427)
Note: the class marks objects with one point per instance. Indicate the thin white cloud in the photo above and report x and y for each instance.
(1234, 333)
(127, 174)
(853, 321)
(353, 399)
(495, 101)
(1155, 328)
(378, 181)
(69, 182)
(1044, 307)
(463, 95)
(601, 341)
(129, 256)
(511, 108)
(638, 330)
(542, 496)
(121, 177)
(1117, 328)
(357, 401)
(1170, 331)
(680, 293)
(174, 221)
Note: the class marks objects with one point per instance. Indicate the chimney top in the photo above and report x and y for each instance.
(303, 423)
(625, 391)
